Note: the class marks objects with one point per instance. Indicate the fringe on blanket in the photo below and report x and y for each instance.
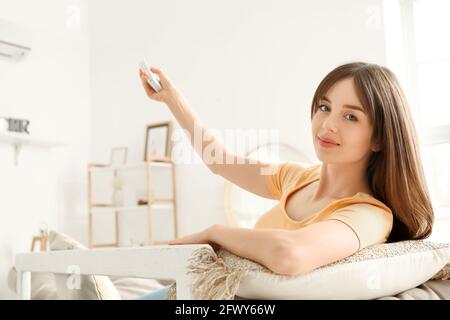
(214, 279)
(172, 292)
(444, 274)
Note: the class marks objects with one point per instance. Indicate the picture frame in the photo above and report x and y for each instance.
(158, 145)
(118, 155)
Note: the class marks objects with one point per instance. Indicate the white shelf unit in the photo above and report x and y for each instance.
(18, 140)
(152, 202)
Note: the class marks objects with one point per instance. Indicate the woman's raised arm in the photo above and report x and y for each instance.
(247, 174)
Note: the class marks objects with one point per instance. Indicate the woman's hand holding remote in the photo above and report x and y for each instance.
(168, 91)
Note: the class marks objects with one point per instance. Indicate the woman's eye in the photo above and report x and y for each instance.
(325, 108)
(322, 105)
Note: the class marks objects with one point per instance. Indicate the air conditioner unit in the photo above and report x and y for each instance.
(15, 40)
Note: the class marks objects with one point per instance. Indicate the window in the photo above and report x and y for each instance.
(432, 46)
(418, 51)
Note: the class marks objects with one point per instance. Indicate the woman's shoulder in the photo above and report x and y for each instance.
(292, 170)
(371, 202)
(285, 175)
(366, 209)
(371, 223)
(303, 172)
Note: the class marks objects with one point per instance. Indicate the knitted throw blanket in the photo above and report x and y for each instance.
(217, 274)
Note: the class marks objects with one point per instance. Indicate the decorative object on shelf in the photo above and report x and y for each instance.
(141, 197)
(42, 238)
(157, 141)
(42, 241)
(142, 202)
(118, 155)
(43, 229)
(16, 125)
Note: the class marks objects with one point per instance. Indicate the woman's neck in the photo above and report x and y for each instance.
(341, 180)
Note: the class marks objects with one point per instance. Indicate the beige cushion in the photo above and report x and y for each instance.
(91, 287)
(130, 288)
(373, 272)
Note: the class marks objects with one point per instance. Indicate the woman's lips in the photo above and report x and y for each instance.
(326, 144)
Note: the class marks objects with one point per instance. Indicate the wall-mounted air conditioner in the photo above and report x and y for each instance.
(15, 40)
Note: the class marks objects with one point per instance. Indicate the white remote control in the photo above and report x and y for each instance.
(152, 79)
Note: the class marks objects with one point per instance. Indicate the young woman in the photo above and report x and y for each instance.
(369, 187)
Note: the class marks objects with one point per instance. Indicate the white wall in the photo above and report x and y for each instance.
(51, 88)
(241, 64)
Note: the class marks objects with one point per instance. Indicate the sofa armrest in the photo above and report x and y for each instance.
(168, 262)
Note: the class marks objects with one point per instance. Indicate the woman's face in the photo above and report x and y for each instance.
(340, 117)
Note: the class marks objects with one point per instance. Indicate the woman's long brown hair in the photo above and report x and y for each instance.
(395, 173)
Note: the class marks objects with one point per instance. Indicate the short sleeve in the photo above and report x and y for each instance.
(283, 177)
(371, 224)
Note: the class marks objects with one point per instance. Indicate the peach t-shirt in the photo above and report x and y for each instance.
(369, 218)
